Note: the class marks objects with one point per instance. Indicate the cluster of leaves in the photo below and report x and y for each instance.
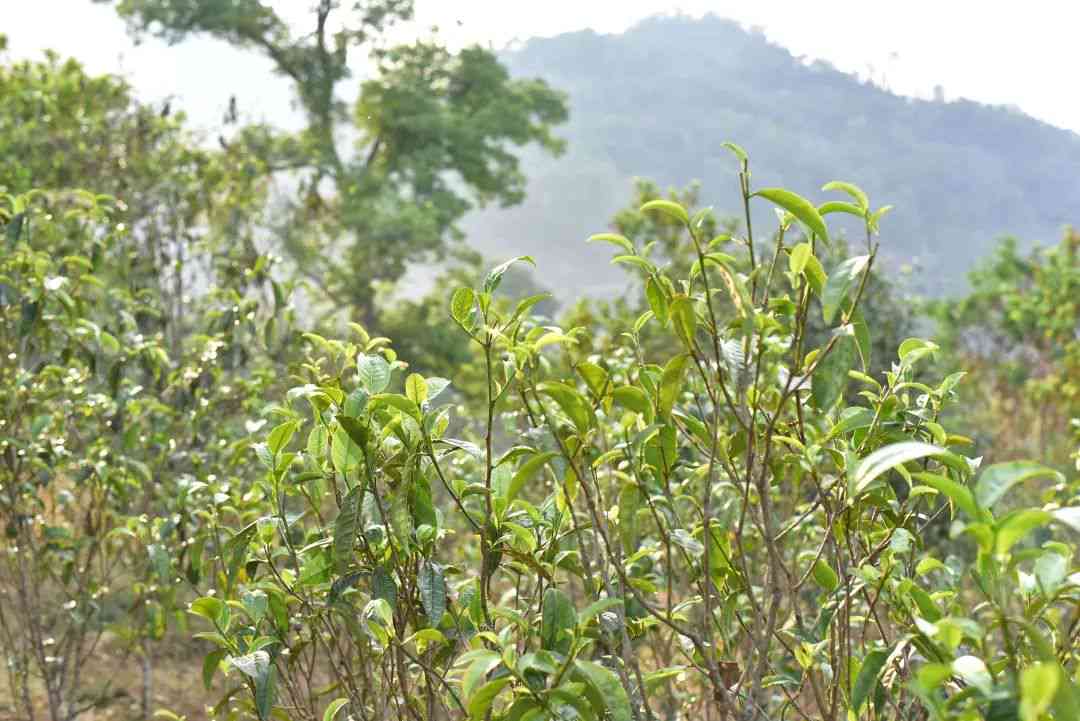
(144, 327)
(660, 237)
(121, 431)
(191, 212)
(715, 526)
(1018, 334)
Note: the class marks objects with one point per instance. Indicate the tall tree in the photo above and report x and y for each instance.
(385, 179)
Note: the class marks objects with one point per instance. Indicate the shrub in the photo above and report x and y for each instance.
(715, 527)
(117, 447)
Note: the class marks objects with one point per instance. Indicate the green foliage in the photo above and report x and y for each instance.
(433, 133)
(890, 310)
(670, 530)
(733, 492)
(1016, 335)
(107, 463)
(189, 210)
(137, 330)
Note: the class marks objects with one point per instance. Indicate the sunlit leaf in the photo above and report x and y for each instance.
(671, 209)
(798, 206)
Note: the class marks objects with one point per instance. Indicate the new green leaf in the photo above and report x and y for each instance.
(798, 206)
(668, 208)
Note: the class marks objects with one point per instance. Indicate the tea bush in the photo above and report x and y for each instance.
(117, 443)
(712, 526)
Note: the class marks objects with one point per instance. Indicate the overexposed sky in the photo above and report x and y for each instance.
(994, 51)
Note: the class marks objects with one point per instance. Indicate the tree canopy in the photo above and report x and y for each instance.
(385, 178)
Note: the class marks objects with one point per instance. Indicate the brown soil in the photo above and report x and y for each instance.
(116, 674)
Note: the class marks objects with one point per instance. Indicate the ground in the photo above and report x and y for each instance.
(177, 684)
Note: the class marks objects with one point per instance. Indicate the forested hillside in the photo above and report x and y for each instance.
(659, 100)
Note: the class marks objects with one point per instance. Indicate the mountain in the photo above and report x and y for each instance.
(658, 100)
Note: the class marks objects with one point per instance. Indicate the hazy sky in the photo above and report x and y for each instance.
(995, 51)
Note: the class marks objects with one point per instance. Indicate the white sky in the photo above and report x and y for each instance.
(994, 51)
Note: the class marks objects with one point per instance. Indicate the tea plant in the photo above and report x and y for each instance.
(115, 451)
(713, 527)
